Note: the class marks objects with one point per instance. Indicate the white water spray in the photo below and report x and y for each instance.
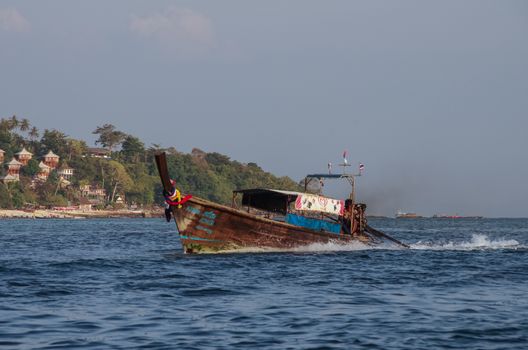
(477, 242)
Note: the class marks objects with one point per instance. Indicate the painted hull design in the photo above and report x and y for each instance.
(208, 227)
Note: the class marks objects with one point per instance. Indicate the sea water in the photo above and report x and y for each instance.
(123, 284)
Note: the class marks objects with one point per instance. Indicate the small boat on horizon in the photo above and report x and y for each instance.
(267, 219)
(406, 215)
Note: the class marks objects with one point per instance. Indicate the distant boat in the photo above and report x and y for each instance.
(268, 219)
(404, 215)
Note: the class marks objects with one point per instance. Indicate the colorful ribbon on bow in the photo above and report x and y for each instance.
(174, 198)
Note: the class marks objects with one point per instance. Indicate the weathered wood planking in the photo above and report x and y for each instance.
(208, 227)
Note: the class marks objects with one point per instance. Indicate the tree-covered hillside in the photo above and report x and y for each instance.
(122, 172)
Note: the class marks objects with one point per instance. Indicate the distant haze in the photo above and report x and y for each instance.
(431, 96)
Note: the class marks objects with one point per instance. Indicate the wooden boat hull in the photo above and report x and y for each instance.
(208, 227)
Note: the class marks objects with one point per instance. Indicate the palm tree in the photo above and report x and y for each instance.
(5, 124)
(24, 125)
(33, 134)
(13, 122)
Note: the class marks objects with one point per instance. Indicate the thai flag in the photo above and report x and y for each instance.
(345, 162)
(361, 166)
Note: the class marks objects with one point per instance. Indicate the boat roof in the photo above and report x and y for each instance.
(329, 176)
(253, 191)
(272, 200)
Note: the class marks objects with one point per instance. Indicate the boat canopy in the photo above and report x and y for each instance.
(328, 176)
(278, 201)
(266, 199)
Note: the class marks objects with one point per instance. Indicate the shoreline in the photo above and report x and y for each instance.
(79, 214)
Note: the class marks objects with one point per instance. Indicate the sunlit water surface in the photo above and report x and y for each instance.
(124, 284)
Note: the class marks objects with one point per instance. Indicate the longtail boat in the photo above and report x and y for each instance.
(266, 219)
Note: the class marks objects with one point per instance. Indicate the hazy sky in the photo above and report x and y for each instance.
(431, 96)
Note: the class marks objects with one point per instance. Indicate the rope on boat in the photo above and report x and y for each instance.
(173, 198)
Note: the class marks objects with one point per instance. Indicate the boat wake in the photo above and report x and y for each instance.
(477, 242)
(334, 247)
(311, 248)
(320, 248)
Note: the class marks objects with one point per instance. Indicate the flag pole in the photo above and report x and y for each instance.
(352, 180)
(352, 203)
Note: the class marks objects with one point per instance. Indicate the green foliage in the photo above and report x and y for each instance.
(53, 140)
(118, 180)
(18, 199)
(5, 197)
(109, 137)
(50, 194)
(16, 195)
(29, 196)
(215, 176)
(87, 170)
(75, 148)
(54, 200)
(217, 159)
(6, 142)
(131, 171)
(31, 169)
(144, 185)
(33, 134)
(132, 149)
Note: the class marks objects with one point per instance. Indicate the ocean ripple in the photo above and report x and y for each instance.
(98, 284)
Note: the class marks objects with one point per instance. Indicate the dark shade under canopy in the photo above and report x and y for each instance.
(276, 201)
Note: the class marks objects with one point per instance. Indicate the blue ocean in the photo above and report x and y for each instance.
(125, 284)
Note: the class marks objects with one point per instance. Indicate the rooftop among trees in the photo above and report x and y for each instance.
(124, 168)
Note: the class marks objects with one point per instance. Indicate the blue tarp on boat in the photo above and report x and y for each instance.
(313, 224)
